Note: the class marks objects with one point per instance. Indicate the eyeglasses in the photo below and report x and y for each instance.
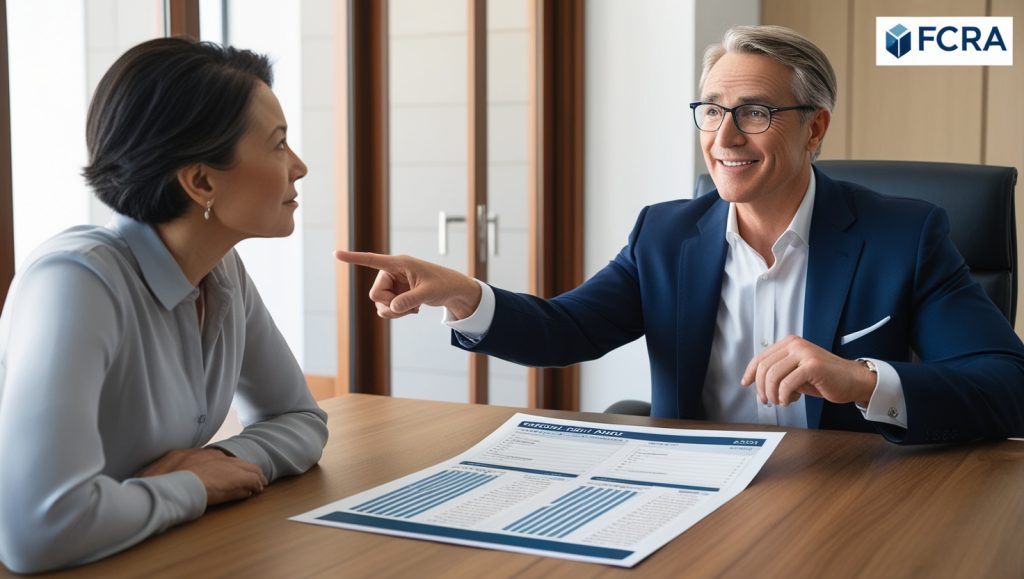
(749, 119)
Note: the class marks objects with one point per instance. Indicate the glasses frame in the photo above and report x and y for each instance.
(771, 115)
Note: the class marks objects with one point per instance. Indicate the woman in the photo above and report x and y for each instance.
(122, 347)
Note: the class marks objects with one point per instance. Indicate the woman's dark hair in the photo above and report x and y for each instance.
(165, 104)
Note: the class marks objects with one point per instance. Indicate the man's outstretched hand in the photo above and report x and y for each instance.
(405, 283)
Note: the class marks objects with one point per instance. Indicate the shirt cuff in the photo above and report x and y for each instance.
(181, 496)
(475, 326)
(887, 403)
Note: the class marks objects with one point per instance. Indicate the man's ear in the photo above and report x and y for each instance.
(819, 126)
(195, 181)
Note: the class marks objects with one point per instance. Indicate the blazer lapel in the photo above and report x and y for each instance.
(832, 259)
(701, 266)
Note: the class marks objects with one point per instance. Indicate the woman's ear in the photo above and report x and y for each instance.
(195, 181)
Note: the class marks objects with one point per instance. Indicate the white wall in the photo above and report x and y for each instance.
(642, 63)
(320, 305)
(47, 127)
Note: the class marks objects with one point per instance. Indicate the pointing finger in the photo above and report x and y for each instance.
(366, 259)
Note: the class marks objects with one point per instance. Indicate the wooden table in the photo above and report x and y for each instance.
(827, 504)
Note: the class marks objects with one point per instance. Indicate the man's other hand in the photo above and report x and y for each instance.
(793, 366)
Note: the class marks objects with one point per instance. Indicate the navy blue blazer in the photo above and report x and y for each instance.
(870, 256)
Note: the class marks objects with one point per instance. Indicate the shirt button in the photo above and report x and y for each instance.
(764, 276)
(764, 342)
(202, 419)
(893, 412)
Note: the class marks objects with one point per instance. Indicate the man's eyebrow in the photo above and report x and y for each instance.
(755, 100)
(746, 100)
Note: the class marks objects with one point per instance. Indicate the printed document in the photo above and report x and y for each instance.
(584, 491)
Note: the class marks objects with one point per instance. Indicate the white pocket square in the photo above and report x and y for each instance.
(861, 333)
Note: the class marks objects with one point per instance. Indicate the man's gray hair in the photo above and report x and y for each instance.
(814, 81)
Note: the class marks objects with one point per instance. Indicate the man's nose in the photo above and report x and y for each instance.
(729, 134)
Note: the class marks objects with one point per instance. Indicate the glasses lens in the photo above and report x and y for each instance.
(708, 117)
(753, 118)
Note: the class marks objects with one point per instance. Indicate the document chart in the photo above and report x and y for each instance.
(575, 490)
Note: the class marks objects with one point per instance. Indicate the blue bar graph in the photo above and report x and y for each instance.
(425, 494)
(480, 537)
(570, 511)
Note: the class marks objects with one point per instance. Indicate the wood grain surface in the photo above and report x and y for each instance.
(827, 504)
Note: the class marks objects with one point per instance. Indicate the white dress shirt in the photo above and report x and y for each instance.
(759, 306)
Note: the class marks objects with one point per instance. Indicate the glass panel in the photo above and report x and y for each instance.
(428, 84)
(49, 98)
(508, 119)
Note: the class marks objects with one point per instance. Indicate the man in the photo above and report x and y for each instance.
(817, 293)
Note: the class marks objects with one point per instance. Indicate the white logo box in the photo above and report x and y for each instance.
(933, 54)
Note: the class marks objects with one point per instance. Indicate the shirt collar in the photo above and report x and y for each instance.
(800, 226)
(160, 271)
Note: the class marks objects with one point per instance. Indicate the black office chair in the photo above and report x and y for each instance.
(980, 204)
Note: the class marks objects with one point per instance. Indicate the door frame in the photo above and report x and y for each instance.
(556, 175)
(364, 345)
(181, 18)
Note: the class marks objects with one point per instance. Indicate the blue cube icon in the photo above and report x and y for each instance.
(897, 40)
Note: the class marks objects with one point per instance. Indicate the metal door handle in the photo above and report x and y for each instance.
(490, 238)
(443, 219)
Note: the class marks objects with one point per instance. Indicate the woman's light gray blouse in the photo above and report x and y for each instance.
(103, 370)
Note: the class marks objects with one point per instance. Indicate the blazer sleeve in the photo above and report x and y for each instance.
(585, 323)
(284, 429)
(56, 507)
(970, 381)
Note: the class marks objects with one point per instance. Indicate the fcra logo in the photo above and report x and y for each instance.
(942, 41)
(897, 40)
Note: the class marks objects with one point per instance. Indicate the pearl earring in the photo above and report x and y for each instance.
(209, 208)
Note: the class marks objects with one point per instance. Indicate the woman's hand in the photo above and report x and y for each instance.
(225, 477)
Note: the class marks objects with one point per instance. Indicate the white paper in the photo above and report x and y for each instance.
(583, 491)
